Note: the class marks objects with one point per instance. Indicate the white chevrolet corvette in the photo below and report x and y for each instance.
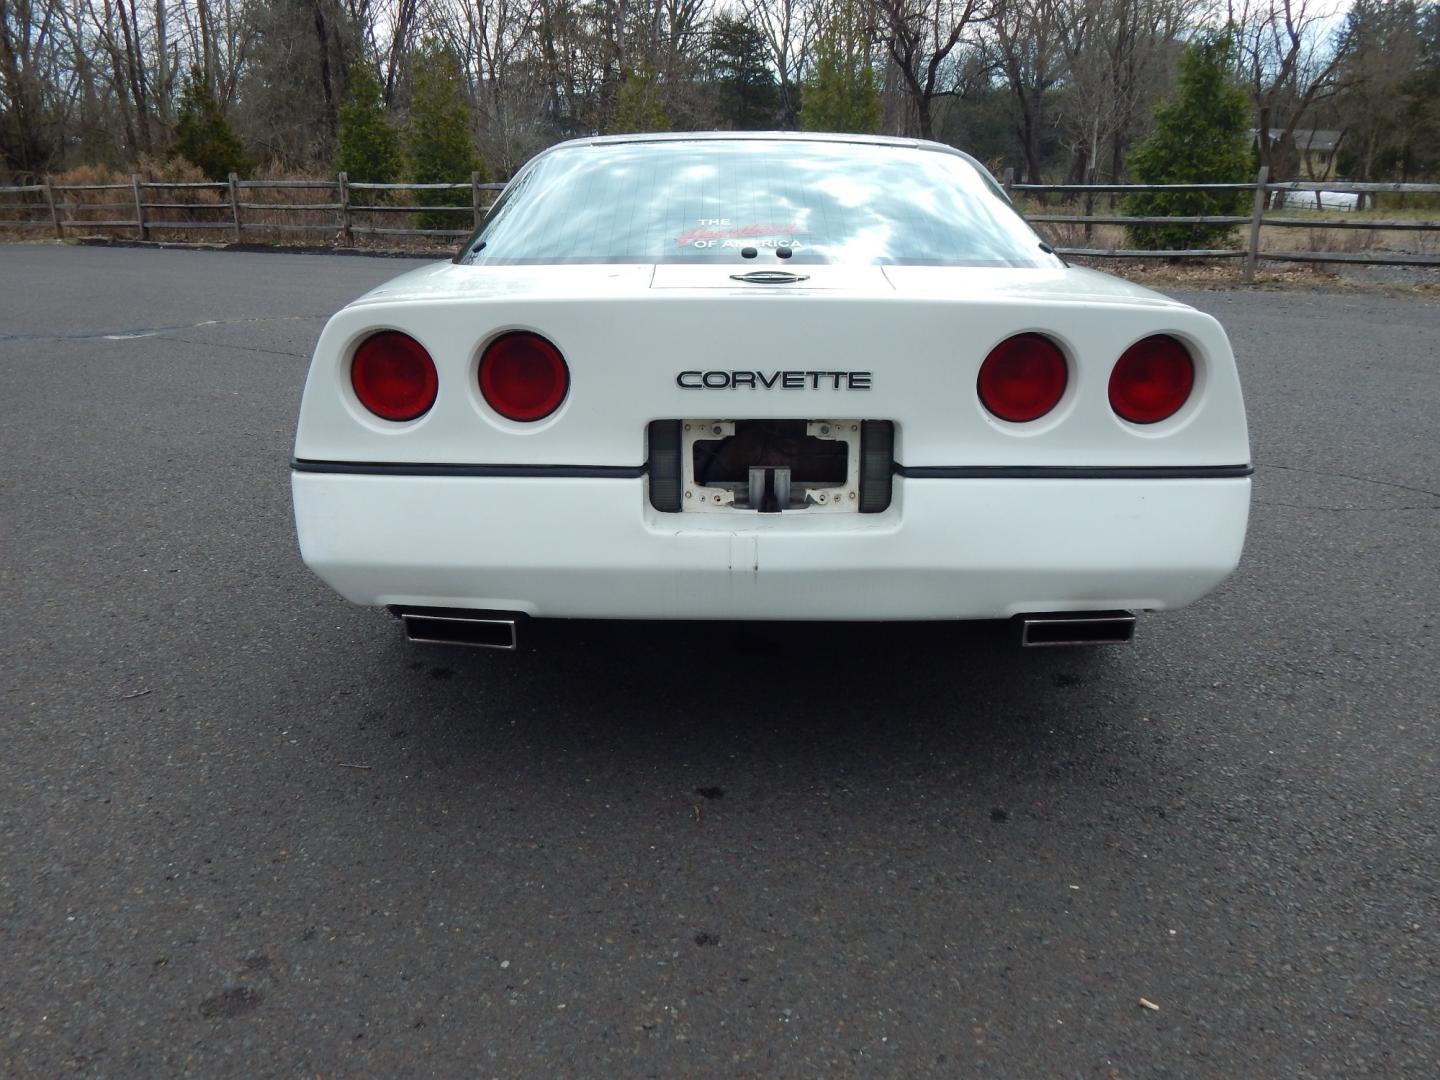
(780, 376)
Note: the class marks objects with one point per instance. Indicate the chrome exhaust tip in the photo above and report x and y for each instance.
(1076, 628)
(479, 630)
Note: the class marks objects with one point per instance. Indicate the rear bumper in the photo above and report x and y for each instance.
(946, 548)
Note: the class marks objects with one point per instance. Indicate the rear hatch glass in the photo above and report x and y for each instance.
(755, 201)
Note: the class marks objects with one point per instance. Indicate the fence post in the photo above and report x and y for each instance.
(475, 197)
(139, 206)
(1009, 180)
(1257, 214)
(54, 213)
(235, 204)
(346, 237)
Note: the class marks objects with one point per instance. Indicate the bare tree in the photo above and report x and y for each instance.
(1120, 55)
(498, 39)
(1381, 50)
(920, 36)
(402, 23)
(790, 28)
(1287, 67)
(97, 80)
(1028, 40)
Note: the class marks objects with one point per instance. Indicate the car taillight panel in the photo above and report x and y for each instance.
(1023, 378)
(523, 377)
(1152, 380)
(393, 376)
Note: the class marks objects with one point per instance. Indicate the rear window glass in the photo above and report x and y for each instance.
(706, 200)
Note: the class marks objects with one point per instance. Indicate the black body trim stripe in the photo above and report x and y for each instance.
(920, 472)
(1074, 472)
(398, 468)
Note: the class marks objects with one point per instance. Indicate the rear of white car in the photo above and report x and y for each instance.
(736, 433)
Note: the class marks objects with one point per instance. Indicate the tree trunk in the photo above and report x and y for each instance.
(134, 73)
(1262, 138)
(162, 77)
(327, 85)
(922, 116)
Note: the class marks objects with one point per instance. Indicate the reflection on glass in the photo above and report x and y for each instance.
(704, 200)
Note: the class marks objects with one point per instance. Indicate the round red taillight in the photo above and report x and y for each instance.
(1151, 380)
(1023, 378)
(393, 376)
(523, 376)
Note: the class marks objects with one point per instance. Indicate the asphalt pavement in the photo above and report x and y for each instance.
(245, 830)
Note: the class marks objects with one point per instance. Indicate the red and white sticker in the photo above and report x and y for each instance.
(723, 233)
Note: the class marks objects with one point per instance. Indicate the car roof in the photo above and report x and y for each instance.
(762, 136)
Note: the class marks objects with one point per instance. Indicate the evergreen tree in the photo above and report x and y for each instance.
(1200, 136)
(441, 149)
(368, 147)
(745, 87)
(637, 105)
(202, 135)
(842, 92)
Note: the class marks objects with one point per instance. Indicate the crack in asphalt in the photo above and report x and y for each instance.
(239, 348)
(1344, 509)
(1348, 476)
(155, 331)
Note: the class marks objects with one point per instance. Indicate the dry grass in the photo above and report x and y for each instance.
(79, 208)
(299, 199)
(1272, 238)
(1213, 274)
(1218, 273)
(1409, 241)
(24, 207)
(189, 204)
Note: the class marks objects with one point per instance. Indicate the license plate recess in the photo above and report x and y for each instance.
(770, 466)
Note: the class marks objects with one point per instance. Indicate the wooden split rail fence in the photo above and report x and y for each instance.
(233, 206)
(236, 206)
(1262, 192)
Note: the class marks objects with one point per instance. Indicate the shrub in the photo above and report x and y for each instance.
(637, 105)
(367, 147)
(1199, 137)
(203, 136)
(441, 150)
(843, 90)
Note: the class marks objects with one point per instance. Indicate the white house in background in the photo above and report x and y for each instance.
(1315, 150)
